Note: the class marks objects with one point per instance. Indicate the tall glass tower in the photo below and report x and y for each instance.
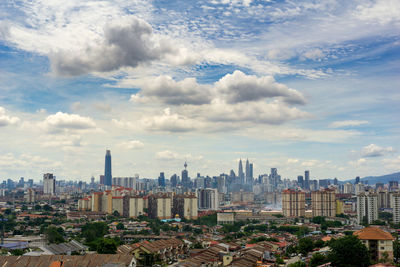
(107, 169)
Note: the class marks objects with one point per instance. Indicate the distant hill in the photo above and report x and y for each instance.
(378, 179)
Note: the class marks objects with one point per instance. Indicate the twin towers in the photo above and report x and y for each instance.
(247, 177)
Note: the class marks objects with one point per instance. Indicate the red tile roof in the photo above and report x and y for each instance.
(373, 233)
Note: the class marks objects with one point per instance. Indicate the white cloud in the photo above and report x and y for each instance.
(165, 89)
(6, 120)
(64, 121)
(133, 144)
(314, 54)
(127, 43)
(169, 122)
(348, 123)
(382, 11)
(239, 87)
(373, 150)
(170, 155)
(392, 164)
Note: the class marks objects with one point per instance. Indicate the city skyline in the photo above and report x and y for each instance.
(288, 85)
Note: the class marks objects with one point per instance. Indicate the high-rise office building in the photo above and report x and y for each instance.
(161, 180)
(293, 203)
(357, 180)
(107, 169)
(307, 180)
(247, 171)
(300, 181)
(240, 172)
(185, 177)
(174, 180)
(251, 175)
(323, 203)
(49, 184)
(367, 207)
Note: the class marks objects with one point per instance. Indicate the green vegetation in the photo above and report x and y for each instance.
(256, 228)
(298, 264)
(348, 251)
(317, 259)
(209, 220)
(55, 235)
(396, 251)
(120, 226)
(106, 246)
(324, 223)
(305, 245)
(386, 216)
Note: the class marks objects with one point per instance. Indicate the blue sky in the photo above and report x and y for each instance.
(289, 84)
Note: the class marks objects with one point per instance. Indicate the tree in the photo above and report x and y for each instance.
(305, 245)
(120, 226)
(106, 246)
(47, 208)
(317, 259)
(298, 264)
(319, 243)
(396, 250)
(93, 231)
(54, 235)
(17, 252)
(116, 213)
(348, 251)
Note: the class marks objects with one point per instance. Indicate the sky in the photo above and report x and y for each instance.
(293, 85)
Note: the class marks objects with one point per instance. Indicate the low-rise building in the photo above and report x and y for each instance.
(378, 241)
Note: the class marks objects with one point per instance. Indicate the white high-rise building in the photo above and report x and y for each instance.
(367, 207)
(49, 184)
(348, 188)
(395, 203)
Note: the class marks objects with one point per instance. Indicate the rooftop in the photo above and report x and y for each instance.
(373, 233)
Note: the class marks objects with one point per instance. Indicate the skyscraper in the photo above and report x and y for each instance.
(185, 177)
(307, 180)
(251, 172)
(300, 181)
(240, 172)
(49, 184)
(247, 171)
(161, 180)
(174, 180)
(107, 169)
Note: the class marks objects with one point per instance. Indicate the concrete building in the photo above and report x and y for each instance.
(207, 199)
(160, 206)
(30, 195)
(49, 184)
(85, 204)
(185, 206)
(323, 203)
(348, 188)
(396, 207)
(136, 205)
(367, 207)
(378, 242)
(242, 196)
(293, 203)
